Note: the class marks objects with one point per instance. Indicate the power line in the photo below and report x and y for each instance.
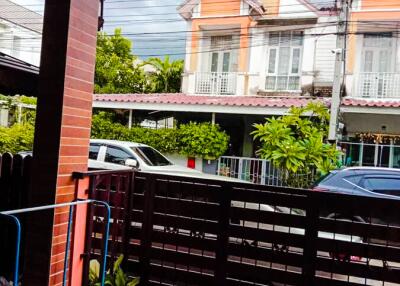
(214, 50)
(383, 24)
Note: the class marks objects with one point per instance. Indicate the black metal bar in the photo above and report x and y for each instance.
(311, 236)
(224, 197)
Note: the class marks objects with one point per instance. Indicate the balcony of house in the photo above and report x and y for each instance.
(216, 70)
(376, 71)
(216, 83)
(378, 85)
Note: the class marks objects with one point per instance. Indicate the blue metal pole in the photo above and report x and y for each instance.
(17, 246)
(71, 211)
(107, 235)
(10, 214)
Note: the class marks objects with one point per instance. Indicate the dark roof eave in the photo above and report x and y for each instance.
(14, 63)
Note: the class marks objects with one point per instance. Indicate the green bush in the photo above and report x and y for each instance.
(202, 140)
(16, 138)
(194, 139)
(297, 143)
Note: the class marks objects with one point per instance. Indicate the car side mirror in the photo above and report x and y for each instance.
(131, 163)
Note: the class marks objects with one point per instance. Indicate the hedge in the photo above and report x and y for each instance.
(194, 139)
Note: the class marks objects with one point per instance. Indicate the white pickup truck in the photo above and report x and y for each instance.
(121, 155)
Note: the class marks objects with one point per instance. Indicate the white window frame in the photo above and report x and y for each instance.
(290, 73)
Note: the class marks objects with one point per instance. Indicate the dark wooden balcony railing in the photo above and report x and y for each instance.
(185, 231)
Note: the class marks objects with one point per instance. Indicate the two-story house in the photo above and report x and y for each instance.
(245, 60)
(249, 59)
(269, 47)
(370, 109)
(20, 32)
(20, 46)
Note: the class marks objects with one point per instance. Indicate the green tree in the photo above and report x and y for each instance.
(296, 143)
(167, 75)
(117, 70)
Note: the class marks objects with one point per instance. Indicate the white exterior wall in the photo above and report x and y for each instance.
(187, 81)
(324, 58)
(182, 161)
(257, 61)
(20, 42)
(308, 64)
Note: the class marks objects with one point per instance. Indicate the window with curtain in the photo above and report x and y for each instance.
(223, 53)
(284, 61)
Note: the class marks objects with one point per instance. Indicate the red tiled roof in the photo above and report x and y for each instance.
(180, 98)
(370, 102)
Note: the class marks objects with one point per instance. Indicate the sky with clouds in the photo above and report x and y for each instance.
(145, 23)
(136, 17)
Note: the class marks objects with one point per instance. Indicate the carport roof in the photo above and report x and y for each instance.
(17, 77)
(180, 102)
(360, 102)
(11, 62)
(181, 98)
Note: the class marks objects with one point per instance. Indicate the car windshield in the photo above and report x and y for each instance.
(151, 156)
(323, 178)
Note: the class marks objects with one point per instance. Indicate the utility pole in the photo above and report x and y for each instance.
(340, 53)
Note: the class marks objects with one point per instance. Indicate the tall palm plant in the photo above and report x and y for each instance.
(167, 74)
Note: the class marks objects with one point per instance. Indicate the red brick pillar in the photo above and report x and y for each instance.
(62, 130)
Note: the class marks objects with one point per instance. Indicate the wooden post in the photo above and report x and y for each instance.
(62, 130)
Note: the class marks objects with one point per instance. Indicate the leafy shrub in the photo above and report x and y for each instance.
(296, 143)
(194, 139)
(202, 140)
(114, 277)
(16, 138)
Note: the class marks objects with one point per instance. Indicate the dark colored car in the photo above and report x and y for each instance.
(364, 181)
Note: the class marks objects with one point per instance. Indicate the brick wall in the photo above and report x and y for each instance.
(62, 127)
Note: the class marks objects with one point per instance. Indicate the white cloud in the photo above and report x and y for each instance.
(146, 16)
